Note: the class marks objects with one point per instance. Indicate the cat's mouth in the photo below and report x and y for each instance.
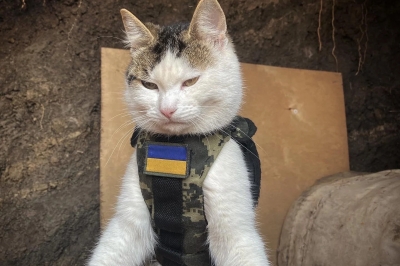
(172, 123)
(173, 127)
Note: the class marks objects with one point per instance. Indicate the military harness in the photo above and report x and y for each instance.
(172, 170)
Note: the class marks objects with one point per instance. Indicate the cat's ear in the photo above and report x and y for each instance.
(137, 35)
(209, 22)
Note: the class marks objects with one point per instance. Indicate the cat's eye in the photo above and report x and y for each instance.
(190, 82)
(149, 85)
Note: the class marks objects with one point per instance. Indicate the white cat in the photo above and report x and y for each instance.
(185, 80)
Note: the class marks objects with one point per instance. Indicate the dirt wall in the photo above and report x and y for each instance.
(50, 99)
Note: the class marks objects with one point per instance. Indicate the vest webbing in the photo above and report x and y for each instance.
(176, 205)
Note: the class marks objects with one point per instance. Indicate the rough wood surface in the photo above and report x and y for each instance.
(345, 219)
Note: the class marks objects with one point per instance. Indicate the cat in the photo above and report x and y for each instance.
(185, 80)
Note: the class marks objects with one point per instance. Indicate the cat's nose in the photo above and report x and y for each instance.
(168, 112)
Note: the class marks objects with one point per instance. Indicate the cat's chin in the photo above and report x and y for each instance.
(173, 128)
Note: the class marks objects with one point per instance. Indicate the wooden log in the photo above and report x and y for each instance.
(345, 219)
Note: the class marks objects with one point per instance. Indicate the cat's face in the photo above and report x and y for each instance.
(183, 79)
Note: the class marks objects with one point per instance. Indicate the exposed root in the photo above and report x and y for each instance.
(72, 27)
(333, 35)
(359, 40)
(41, 118)
(364, 32)
(319, 27)
(23, 5)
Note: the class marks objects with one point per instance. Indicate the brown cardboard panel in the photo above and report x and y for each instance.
(115, 149)
(301, 134)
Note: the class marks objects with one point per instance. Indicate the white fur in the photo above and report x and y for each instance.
(232, 234)
(129, 238)
(208, 105)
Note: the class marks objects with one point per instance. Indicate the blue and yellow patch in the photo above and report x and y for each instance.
(166, 159)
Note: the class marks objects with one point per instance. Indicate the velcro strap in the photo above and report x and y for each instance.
(168, 203)
(168, 257)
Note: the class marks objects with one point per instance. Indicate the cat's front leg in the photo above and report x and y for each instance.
(232, 233)
(129, 239)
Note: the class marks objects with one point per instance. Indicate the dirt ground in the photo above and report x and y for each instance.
(50, 99)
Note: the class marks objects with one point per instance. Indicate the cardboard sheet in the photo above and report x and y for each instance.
(301, 134)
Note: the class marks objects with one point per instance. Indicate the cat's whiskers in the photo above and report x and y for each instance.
(127, 109)
(130, 131)
(211, 123)
(240, 144)
(149, 127)
(259, 146)
(141, 121)
(124, 114)
(116, 92)
(193, 122)
(197, 106)
(125, 124)
(140, 118)
(124, 137)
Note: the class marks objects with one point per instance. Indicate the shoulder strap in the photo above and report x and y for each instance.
(242, 130)
(135, 136)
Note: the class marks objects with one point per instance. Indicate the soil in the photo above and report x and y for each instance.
(50, 99)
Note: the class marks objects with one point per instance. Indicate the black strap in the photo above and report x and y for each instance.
(135, 136)
(168, 257)
(168, 207)
(254, 168)
(249, 149)
(168, 203)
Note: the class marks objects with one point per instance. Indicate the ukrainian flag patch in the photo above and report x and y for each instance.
(166, 159)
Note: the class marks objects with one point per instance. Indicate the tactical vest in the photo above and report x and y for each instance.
(172, 170)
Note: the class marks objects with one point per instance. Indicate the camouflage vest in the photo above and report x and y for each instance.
(171, 172)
